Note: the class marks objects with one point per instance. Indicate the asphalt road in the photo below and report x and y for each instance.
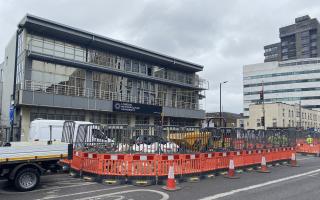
(283, 182)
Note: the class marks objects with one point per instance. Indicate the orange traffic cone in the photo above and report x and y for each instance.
(171, 182)
(264, 168)
(231, 171)
(294, 160)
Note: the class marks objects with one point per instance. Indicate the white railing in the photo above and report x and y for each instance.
(59, 89)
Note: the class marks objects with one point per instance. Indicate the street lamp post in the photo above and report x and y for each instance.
(220, 113)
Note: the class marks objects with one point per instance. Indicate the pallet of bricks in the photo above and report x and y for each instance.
(142, 155)
(308, 142)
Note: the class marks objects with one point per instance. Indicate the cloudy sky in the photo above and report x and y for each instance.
(221, 35)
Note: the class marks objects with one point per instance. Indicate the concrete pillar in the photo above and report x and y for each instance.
(151, 120)
(87, 116)
(132, 120)
(197, 122)
(25, 123)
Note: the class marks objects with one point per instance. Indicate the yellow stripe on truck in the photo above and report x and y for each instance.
(58, 156)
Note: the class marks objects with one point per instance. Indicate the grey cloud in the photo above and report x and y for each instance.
(221, 35)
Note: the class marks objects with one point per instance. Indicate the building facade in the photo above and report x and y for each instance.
(280, 115)
(299, 40)
(68, 74)
(272, 52)
(291, 82)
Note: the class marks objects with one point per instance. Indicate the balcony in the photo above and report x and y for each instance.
(51, 91)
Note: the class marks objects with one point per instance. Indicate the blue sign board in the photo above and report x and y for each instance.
(11, 114)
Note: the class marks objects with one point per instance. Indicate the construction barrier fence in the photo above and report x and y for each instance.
(308, 142)
(120, 152)
(156, 166)
(172, 139)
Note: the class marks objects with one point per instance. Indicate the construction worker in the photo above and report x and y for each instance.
(309, 139)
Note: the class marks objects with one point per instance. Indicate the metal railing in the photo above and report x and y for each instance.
(175, 139)
(67, 90)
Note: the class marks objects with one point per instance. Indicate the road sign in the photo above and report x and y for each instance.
(11, 114)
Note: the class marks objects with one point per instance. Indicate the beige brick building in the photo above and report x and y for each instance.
(280, 115)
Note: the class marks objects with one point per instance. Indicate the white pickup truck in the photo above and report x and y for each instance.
(22, 163)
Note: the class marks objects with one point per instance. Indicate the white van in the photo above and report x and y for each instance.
(40, 129)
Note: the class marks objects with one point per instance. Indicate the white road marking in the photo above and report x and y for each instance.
(314, 175)
(80, 193)
(305, 158)
(232, 192)
(62, 187)
(51, 188)
(164, 195)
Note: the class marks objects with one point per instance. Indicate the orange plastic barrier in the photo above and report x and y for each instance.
(165, 161)
(91, 163)
(267, 154)
(237, 157)
(141, 165)
(248, 158)
(257, 155)
(66, 162)
(77, 160)
(209, 162)
(308, 148)
(114, 164)
(191, 164)
(222, 160)
(157, 165)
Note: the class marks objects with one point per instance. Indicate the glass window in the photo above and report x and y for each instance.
(143, 68)
(59, 47)
(69, 49)
(48, 45)
(135, 66)
(60, 69)
(127, 64)
(49, 67)
(304, 33)
(37, 42)
(313, 36)
(37, 65)
(37, 76)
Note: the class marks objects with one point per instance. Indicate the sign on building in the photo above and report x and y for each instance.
(119, 106)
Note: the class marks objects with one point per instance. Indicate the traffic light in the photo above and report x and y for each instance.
(262, 121)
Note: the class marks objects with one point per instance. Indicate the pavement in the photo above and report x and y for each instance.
(284, 182)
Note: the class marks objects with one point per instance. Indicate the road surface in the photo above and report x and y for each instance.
(284, 182)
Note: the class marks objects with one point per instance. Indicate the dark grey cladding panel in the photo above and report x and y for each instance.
(79, 102)
(40, 98)
(177, 112)
(26, 97)
(61, 101)
(103, 105)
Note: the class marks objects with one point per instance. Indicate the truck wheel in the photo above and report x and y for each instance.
(27, 179)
